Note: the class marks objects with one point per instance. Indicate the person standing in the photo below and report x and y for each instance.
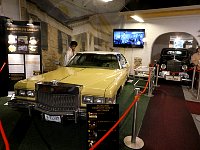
(195, 58)
(67, 55)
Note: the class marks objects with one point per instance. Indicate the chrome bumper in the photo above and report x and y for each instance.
(182, 75)
(19, 103)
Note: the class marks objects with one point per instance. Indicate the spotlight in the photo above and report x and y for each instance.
(9, 22)
(30, 22)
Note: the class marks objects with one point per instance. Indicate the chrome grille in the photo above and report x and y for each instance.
(174, 66)
(57, 99)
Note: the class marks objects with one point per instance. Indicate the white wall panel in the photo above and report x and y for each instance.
(156, 27)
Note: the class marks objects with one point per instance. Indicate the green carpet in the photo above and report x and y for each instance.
(125, 127)
(9, 118)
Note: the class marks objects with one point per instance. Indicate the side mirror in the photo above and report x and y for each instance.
(124, 66)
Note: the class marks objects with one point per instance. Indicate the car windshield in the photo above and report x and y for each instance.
(108, 61)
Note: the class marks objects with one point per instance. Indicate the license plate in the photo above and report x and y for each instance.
(173, 78)
(52, 118)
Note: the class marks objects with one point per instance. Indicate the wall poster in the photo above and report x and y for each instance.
(24, 53)
(23, 39)
(16, 63)
(32, 64)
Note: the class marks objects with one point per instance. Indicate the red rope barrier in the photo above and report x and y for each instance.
(2, 66)
(198, 70)
(1, 126)
(4, 137)
(121, 118)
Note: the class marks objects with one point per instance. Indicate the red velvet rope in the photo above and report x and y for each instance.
(136, 98)
(1, 126)
(2, 67)
(4, 137)
(197, 70)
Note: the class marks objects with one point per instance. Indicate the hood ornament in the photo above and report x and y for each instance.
(54, 82)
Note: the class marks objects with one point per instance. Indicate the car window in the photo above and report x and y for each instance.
(75, 60)
(108, 61)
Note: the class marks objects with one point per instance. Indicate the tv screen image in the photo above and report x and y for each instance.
(128, 38)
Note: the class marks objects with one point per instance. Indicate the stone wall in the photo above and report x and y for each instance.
(84, 32)
(51, 55)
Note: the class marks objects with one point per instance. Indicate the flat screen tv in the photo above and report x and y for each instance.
(128, 38)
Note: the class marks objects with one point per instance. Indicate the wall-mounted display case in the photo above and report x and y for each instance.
(23, 44)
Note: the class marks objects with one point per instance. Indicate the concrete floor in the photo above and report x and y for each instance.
(191, 95)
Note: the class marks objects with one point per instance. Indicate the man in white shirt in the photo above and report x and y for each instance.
(67, 55)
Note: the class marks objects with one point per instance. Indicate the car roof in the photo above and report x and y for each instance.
(99, 52)
(174, 49)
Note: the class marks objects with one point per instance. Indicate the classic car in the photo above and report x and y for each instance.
(174, 64)
(90, 77)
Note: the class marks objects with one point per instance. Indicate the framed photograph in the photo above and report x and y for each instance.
(22, 48)
(12, 39)
(22, 40)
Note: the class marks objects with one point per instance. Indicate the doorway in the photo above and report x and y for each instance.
(173, 39)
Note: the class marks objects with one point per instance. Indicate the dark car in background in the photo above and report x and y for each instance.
(174, 64)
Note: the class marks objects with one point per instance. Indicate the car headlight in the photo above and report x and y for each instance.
(96, 100)
(88, 99)
(184, 67)
(30, 93)
(22, 92)
(99, 100)
(163, 66)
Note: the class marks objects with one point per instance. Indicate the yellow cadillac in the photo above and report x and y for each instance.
(95, 77)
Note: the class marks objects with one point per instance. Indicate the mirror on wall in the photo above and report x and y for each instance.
(175, 40)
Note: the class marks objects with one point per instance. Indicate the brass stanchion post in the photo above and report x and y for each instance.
(198, 87)
(193, 77)
(133, 141)
(157, 71)
(150, 87)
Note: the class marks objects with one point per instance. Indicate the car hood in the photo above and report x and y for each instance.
(88, 77)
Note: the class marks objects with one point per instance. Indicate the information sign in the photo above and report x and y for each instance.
(100, 118)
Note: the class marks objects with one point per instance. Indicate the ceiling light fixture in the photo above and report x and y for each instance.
(107, 0)
(137, 18)
(9, 22)
(30, 22)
